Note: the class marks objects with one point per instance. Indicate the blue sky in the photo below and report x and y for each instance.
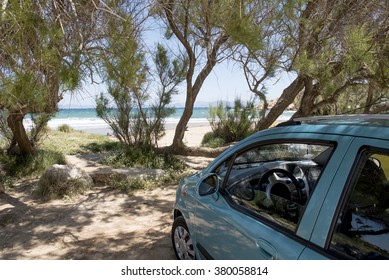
(225, 82)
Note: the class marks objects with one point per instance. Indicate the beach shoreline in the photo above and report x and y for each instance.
(192, 138)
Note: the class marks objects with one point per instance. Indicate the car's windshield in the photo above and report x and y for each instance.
(284, 151)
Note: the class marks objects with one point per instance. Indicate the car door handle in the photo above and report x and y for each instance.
(268, 251)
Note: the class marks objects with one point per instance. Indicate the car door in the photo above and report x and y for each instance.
(231, 225)
(354, 220)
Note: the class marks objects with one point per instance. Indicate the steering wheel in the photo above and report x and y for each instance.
(280, 186)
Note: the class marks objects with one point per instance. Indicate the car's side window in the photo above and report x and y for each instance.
(362, 228)
(274, 181)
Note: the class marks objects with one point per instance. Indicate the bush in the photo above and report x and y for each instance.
(143, 157)
(232, 124)
(210, 140)
(61, 181)
(30, 165)
(102, 146)
(48, 191)
(130, 185)
(65, 128)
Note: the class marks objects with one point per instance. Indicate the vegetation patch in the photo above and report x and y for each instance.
(210, 140)
(65, 128)
(74, 142)
(47, 190)
(131, 184)
(127, 156)
(60, 181)
(27, 166)
(230, 124)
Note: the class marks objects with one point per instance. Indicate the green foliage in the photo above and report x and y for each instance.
(75, 142)
(39, 128)
(42, 54)
(143, 157)
(5, 131)
(65, 128)
(21, 166)
(132, 184)
(47, 190)
(340, 55)
(124, 68)
(232, 124)
(98, 147)
(211, 141)
(132, 123)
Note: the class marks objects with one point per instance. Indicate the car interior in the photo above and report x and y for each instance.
(279, 185)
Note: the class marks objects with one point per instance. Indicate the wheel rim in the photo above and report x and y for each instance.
(183, 244)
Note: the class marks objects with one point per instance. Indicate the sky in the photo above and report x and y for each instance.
(225, 83)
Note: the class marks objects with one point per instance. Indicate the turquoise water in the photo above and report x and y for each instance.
(87, 120)
(198, 113)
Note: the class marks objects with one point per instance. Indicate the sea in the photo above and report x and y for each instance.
(86, 119)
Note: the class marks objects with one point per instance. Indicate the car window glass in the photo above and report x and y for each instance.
(275, 181)
(362, 228)
(222, 169)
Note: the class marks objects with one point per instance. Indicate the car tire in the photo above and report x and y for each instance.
(182, 241)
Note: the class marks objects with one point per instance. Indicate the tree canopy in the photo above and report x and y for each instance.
(337, 50)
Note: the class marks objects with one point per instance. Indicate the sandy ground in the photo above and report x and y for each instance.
(102, 224)
(192, 138)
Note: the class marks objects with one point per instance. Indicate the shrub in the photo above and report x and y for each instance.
(132, 184)
(65, 128)
(30, 165)
(210, 140)
(128, 156)
(47, 191)
(233, 124)
(102, 146)
(61, 181)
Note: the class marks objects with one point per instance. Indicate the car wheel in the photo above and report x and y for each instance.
(182, 242)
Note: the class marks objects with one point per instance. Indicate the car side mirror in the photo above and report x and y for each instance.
(209, 184)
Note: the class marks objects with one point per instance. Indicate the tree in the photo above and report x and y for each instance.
(42, 56)
(170, 73)
(351, 39)
(260, 60)
(333, 47)
(195, 24)
(138, 110)
(124, 70)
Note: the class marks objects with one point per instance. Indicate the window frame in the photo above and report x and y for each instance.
(361, 157)
(253, 214)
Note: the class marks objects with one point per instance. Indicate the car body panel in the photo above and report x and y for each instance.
(217, 223)
(332, 200)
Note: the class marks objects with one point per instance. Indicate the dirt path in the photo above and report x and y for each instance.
(102, 224)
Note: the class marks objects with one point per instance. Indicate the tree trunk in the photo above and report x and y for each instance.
(178, 143)
(287, 97)
(307, 100)
(369, 98)
(15, 122)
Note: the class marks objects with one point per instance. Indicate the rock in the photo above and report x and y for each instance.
(63, 180)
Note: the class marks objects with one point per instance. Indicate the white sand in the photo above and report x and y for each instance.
(192, 138)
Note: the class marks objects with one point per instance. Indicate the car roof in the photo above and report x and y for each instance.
(369, 126)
